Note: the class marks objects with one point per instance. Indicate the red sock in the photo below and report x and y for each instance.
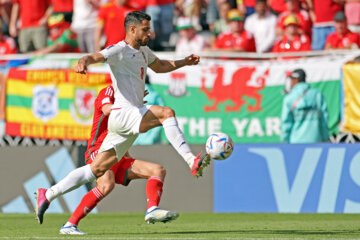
(88, 202)
(154, 188)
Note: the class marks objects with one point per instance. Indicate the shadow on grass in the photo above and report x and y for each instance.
(255, 232)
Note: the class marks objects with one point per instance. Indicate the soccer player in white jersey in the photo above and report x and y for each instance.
(128, 62)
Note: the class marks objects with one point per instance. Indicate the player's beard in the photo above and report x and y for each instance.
(143, 42)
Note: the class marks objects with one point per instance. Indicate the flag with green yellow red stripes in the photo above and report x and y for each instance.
(51, 104)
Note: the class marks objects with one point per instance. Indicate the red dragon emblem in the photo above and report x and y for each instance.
(235, 91)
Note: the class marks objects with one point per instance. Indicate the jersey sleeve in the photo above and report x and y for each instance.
(113, 53)
(106, 96)
(151, 56)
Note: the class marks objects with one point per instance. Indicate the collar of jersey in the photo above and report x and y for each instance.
(133, 49)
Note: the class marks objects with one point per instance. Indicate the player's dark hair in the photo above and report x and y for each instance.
(136, 18)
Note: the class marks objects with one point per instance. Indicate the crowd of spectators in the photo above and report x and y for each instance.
(45, 26)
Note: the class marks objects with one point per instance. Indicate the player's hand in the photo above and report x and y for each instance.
(192, 60)
(81, 67)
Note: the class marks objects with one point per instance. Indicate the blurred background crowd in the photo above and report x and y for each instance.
(186, 26)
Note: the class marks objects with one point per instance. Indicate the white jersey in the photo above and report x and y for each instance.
(128, 71)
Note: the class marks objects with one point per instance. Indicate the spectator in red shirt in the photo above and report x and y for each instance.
(277, 6)
(111, 18)
(342, 38)
(33, 29)
(352, 12)
(64, 7)
(293, 40)
(293, 9)
(322, 13)
(61, 38)
(136, 5)
(238, 39)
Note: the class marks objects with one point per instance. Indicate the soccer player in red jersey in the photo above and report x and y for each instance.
(122, 172)
(292, 41)
(238, 39)
(342, 38)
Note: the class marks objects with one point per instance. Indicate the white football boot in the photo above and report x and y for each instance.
(71, 230)
(159, 215)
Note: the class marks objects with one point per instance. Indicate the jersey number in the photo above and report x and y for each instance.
(142, 73)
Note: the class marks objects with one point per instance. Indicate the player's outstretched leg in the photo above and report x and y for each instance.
(73, 180)
(103, 161)
(71, 230)
(178, 141)
(166, 117)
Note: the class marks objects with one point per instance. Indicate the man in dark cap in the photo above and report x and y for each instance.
(304, 116)
(342, 38)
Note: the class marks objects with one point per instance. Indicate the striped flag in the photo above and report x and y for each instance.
(51, 104)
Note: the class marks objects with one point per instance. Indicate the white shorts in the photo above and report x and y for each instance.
(123, 129)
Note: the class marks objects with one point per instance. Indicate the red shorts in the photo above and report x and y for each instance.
(120, 169)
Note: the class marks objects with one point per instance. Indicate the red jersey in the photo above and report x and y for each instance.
(349, 39)
(159, 2)
(32, 11)
(113, 19)
(278, 5)
(299, 43)
(244, 40)
(325, 11)
(136, 5)
(63, 5)
(250, 3)
(7, 46)
(99, 126)
(302, 16)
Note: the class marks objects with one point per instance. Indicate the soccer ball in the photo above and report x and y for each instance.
(219, 146)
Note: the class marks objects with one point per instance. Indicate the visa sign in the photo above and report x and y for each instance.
(289, 178)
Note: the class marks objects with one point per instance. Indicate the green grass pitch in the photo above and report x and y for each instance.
(187, 226)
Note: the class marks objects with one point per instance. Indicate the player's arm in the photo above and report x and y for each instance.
(15, 11)
(163, 66)
(85, 61)
(311, 10)
(98, 33)
(106, 109)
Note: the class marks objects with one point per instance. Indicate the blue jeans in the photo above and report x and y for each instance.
(162, 20)
(319, 35)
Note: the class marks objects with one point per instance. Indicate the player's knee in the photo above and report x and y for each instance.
(98, 170)
(159, 171)
(168, 112)
(106, 187)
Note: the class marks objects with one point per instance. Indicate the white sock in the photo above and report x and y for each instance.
(73, 180)
(177, 139)
(68, 224)
(151, 208)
